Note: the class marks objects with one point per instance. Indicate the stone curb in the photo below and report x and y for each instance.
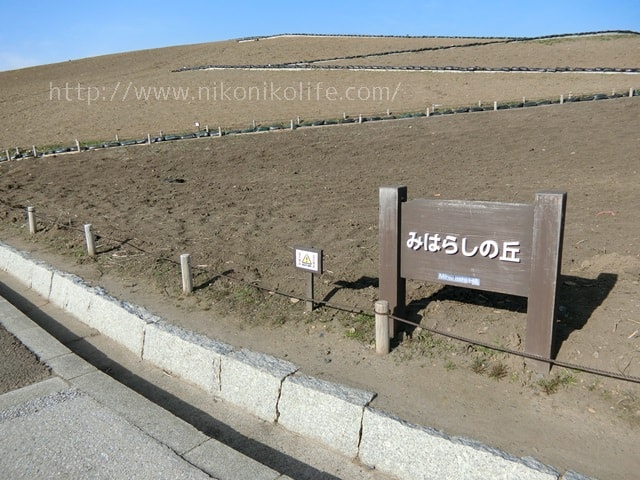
(390, 443)
(273, 389)
(254, 381)
(193, 357)
(327, 412)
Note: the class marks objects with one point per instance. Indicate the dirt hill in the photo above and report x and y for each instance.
(239, 203)
(134, 94)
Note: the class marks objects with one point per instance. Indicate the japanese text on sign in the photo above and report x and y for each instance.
(506, 251)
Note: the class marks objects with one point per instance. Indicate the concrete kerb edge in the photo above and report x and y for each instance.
(328, 412)
(302, 404)
(33, 274)
(191, 356)
(264, 373)
(396, 446)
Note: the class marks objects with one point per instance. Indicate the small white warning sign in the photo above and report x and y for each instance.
(309, 259)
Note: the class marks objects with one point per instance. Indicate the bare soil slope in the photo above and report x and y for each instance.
(134, 94)
(238, 205)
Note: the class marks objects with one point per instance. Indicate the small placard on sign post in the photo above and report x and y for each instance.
(310, 260)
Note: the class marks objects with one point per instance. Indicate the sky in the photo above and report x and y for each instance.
(39, 32)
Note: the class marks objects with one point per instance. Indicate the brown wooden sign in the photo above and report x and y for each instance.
(500, 247)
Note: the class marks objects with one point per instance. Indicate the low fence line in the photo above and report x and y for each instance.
(354, 35)
(20, 153)
(509, 351)
(380, 314)
(413, 68)
(91, 236)
(489, 41)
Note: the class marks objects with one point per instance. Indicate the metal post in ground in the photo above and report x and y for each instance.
(31, 217)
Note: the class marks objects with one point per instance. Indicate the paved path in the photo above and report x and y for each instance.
(82, 423)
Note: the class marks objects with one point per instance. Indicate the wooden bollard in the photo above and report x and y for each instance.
(561, 99)
(90, 239)
(631, 92)
(77, 145)
(35, 151)
(428, 112)
(292, 127)
(8, 154)
(149, 138)
(31, 219)
(382, 327)
(495, 106)
(360, 118)
(187, 278)
(219, 131)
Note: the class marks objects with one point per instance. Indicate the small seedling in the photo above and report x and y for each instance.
(551, 385)
(450, 365)
(478, 365)
(498, 371)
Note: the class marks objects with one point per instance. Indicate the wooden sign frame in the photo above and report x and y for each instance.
(500, 247)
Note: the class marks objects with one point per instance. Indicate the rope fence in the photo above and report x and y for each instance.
(259, 126)
(91, 237)
(485, 41)
(445, 37)
(383, 319)
(382, 326)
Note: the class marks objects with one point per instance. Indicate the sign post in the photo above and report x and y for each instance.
(498, 247)
(309, 260)
(392, 285)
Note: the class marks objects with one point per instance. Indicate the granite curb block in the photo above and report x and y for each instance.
(272, 389)
(35, 275)
(118, 320)
(193, 357)
(390, 444)
(254, 381)
(328, 412)
(121, 321)
(70, 293)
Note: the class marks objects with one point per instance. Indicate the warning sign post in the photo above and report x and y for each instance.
(309, 260)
